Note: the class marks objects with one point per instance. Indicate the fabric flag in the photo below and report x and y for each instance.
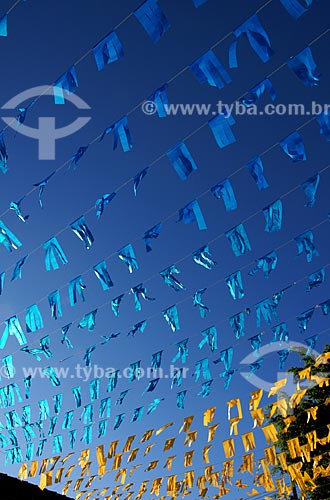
(192, 213)
(257, 38)
(206, 388)
(311, 343)
(256, 92)
(76, 288)
(8, 369)
(108, 50)
(16, 205)
(267, 263)
(304, 67)
(127, 255)
(3, 25)
(305, 243)
(52, 376)
(294, 147)
(101, 203)
(54, 300)
(315, 279)
(197, 300)
(281, 333)
(153, 19)
(154, 405)
(182, 160)
(102, 275)
(235, 285)
(226, 356)
(256, 169)
(140, 291)
(256, 365)
(121, 134)
(202, 257)
(156, 360)
(77, 396)
(135, 371)
(88, 355)
(2, 282)
(53, 253)
(172, 318)
(3, 154)
(239, 241)
(75, 159)
(33, 319)
(88, 320)
(68, 83)
(325, 306)
(137, 415)
(221, 129)
(8, 239)
(324, 122)
(304, 318)
(80, 229)
(283, 355)
(202, 367)
(138, 327)
(17, 272)
(138, 179)
(273, 216)
(115, 304)
(170, 279)
(210, 338)
(180, 397)
(41, 185)
(208, 68)
(225, 191)
(310, 188)
(182, 351)
(296, 8)
(227, 375)
(256, 343)
(151, 385)
(267, 309)
(152, 234)
(237, 322)
(160, 101)
(113, 380)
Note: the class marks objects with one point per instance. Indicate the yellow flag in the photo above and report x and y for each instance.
(190, 438)
(166, 426)
(112, 449)
(169, 444)
(209, 415)
(186, 424)
(128, 444)
(211, 432)
(248, 441)
(147, 435)
(228, 448)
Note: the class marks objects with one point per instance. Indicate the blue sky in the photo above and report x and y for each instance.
(44, 40)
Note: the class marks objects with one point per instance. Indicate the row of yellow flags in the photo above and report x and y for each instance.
(222, 480)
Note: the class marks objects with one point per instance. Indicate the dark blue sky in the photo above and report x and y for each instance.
(44, 39)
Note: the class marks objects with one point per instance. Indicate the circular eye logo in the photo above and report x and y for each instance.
(275, 347)
(46, 134)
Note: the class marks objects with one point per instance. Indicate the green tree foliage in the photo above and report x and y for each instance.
(316, 396)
